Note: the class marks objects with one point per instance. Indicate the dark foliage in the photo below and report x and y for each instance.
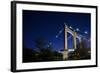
(42, 53)
(82, 52)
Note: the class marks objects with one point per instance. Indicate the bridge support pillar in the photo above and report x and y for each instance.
(74, 40)
(65, 52)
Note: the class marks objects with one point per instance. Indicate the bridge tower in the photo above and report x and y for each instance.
(74, 34)
(65, 52)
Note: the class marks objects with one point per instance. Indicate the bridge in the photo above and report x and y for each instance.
(75, 36)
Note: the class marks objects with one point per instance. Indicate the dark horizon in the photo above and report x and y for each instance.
(47, 24)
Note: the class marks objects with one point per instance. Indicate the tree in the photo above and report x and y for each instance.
(81, 52)
(46, 53)
(40, 43)
(57, 55)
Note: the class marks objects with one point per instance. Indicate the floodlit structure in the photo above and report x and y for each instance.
(75, 35)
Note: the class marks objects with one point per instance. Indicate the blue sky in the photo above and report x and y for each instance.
(48, 24)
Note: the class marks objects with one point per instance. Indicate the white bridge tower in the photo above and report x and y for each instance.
(74, 34)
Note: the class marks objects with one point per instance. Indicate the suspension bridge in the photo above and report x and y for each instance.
(75, 35)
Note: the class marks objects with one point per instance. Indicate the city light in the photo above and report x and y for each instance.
(86, 32)
(77, 29)
(70, 27)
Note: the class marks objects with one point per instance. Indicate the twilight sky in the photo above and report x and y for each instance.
(48, 24)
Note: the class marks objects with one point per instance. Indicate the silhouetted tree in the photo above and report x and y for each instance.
(82, 52)
(57, 55)
(41, 52)
(40, 43)
(46, 53)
